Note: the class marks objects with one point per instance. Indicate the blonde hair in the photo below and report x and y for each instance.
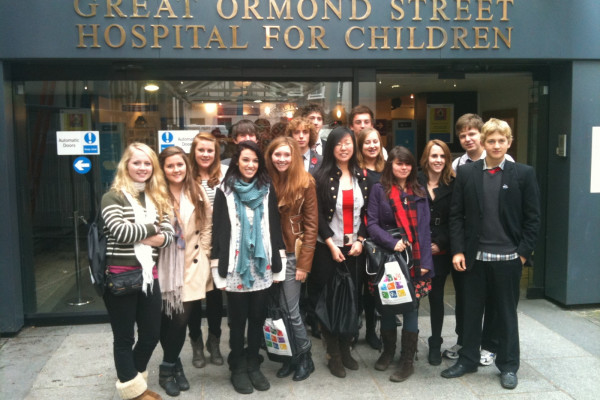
(156, 188)
(214, 172)
(289, 185)
(360, 141)
(494, 125)
(447, 172)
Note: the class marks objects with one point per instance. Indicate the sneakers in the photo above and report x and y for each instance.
(452, 352)
(487, 358)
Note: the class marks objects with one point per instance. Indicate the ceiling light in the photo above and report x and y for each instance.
(151, 87)
(258, 101)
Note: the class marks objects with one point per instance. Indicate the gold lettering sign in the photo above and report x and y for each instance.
(408, 25)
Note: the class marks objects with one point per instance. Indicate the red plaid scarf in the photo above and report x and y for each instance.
(405, 211)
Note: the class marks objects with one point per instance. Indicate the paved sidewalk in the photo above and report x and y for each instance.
(560, 359)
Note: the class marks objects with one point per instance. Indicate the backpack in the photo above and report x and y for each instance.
(96, 241)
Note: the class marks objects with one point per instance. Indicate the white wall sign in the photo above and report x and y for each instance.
(595, 173)
(76, 143)
(182, 139)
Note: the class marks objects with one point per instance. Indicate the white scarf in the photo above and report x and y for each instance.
(143, 252)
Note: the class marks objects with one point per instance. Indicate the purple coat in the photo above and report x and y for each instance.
(380, 218)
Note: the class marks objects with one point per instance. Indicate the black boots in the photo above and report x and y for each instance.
(166, 378)
(246, 375)
(301, 366)
(407, 356)
(259, 381)
(180, 378)
(389, 349)
(435, 351)
(286, 369)
(304, 367)
(172, 378)
(239, 376)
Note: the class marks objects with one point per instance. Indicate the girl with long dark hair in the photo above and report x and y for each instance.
(342, 195)
(247, 257)
(398, 201)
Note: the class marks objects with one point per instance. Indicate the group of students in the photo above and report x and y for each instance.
(291, 214)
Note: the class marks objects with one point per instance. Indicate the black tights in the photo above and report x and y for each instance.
(172, 331)
(214, 312)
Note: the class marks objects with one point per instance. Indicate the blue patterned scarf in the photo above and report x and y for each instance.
(251, 241)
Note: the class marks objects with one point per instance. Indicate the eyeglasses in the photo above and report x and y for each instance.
(344, 144)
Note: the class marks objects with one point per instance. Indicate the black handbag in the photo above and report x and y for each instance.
(125, 283)
(278, 310)
(336, 307)
(377, 255)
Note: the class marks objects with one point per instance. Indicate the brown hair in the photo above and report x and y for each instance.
(468, 121)
(190, 187)
(447, 172)
(361, 109)
(214, 171)
(300, 122)
(388, 179)
(360, 141)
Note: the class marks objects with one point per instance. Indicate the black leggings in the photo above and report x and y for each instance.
(214, 312)
(172, 331)
(250, 307)
(125, 312)
(442, 267)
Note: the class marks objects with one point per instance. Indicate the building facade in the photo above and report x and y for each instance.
(76, 77)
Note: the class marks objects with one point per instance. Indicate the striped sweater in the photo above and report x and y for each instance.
(122, 231)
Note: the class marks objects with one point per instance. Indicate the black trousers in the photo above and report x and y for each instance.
(214, 313)
(500, 281)
(251, 308)
(172, 331)
(125, 312)
(442, 266)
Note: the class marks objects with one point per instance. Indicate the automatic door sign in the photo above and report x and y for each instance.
(182, 139)
(82, 165)
(75, 143)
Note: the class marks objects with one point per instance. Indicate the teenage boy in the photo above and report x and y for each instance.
(242, 131)
(494, 223)
(303, 132)
(361, 117)
(468, 129)
(316, 116)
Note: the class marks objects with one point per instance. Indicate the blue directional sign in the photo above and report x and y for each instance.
(82, 165)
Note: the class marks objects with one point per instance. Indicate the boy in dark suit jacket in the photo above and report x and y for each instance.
(494, 223)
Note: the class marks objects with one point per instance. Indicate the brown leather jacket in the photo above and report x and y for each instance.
(307, 221)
